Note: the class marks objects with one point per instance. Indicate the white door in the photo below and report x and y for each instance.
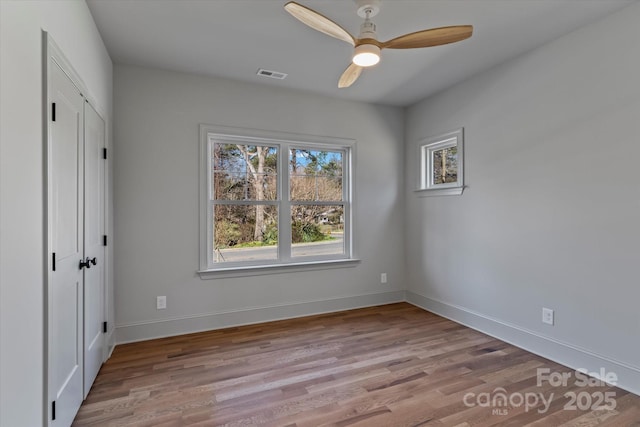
(66, 229)
(94, 142)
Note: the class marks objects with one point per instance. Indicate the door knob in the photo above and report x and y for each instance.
(87, 262)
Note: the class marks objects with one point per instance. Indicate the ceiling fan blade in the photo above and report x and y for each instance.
(432, 37)
(350, 75)
(319, 22)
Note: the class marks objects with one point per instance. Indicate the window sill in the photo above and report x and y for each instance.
(450, 191)
(259, 270)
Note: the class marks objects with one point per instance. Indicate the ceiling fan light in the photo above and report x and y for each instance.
(366, 55)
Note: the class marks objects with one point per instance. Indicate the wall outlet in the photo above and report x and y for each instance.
(161, 302)
(547, 316)
(383, 277)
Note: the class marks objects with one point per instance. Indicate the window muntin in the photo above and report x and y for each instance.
(301, 190)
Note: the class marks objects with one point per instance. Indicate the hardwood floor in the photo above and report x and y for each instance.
(394, 365)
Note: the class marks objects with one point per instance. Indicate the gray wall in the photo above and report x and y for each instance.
(21, 184)
(157, 114)
(550, 215)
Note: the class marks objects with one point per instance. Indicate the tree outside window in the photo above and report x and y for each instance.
(276, 201)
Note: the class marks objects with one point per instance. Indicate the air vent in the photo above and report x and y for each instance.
(273, 74)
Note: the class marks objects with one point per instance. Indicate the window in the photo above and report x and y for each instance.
(273, 200)
(441, 164)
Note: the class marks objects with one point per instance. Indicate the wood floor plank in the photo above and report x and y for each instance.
(389, 366)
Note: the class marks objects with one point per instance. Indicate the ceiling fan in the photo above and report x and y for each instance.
(367, 47)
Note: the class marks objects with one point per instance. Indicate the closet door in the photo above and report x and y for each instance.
(94, 142)
(65, 164)
(75, 171)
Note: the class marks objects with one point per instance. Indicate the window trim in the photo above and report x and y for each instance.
(427, 147)
(283, 141)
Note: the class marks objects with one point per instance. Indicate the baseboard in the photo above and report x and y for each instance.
(141, 331)
(561, 352)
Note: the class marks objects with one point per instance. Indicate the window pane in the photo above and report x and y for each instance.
(315, 175)
(317, 230)
(244, 172)
(245, 233)
(445, 165)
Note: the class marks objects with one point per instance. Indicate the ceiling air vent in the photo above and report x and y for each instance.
(273, 74)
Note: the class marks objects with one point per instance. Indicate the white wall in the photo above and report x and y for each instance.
(157, 114)
(550, 215)
(21, 184)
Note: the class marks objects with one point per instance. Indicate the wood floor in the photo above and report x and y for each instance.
(394, 365)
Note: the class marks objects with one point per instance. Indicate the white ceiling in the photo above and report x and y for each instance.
(234, 38)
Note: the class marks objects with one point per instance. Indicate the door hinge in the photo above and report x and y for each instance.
(104, 327)
(104, 153)
(104, 240)
(53, 261)
(53, 111)
(53, 410)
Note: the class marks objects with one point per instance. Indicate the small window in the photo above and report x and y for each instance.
(441, 164)
(272, 201)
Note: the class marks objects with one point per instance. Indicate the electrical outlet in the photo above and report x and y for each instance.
(161, 302)
(547, 316)
(383, 277)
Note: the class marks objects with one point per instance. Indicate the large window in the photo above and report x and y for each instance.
(271, 200)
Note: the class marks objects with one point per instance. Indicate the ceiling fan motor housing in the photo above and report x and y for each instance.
(367, 30)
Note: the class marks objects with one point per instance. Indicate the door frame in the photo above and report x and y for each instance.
(50, 50)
